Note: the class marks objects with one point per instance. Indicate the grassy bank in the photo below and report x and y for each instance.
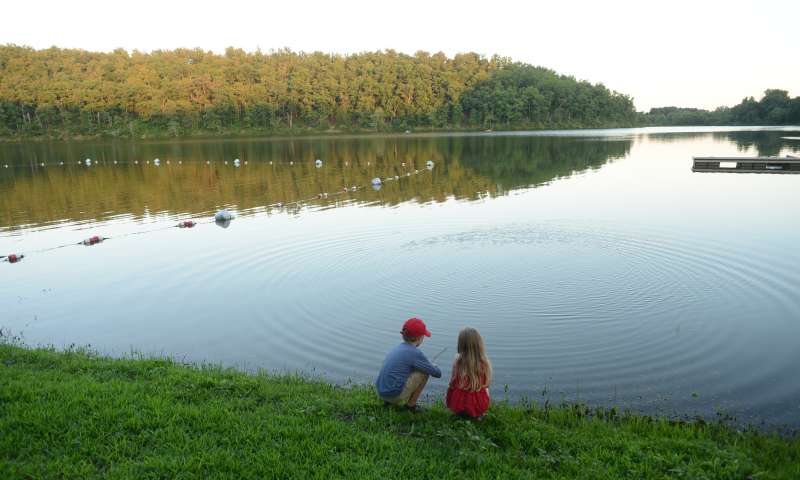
(77, 415)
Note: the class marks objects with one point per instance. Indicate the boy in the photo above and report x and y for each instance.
(406, 369)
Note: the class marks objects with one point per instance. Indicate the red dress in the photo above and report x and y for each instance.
(461, 400)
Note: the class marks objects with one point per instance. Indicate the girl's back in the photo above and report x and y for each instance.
(468, 393)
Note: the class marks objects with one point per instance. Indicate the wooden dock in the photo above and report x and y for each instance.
(747, 164)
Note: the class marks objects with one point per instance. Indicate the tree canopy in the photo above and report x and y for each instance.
(774, 108)
(64, 92)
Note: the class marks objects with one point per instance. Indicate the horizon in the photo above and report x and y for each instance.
(657, 64)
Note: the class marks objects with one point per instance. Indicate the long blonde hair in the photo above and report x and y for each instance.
(472, 367)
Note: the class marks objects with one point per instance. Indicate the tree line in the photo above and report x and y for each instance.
(63, 93)
(776, 107)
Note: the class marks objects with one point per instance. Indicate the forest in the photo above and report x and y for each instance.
(774, 108)
(67, 93)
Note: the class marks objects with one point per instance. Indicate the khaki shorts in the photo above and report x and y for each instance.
(412, 384)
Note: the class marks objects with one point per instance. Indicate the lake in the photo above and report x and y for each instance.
(596, 265)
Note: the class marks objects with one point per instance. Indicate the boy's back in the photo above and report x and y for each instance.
(398, 365)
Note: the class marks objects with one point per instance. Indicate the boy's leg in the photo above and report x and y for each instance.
(416, 383)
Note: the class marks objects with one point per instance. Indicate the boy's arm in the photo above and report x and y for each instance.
(424, 365)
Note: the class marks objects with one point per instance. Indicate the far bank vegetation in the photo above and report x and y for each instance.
(63, 93)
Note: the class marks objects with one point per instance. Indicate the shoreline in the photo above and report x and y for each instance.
(293, 133)
(75, 413)
(314, 134)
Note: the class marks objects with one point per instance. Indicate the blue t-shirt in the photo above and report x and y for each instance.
(398, 365)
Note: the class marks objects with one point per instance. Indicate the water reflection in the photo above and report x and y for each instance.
(511, 163)
(198, 177)
(766, 143)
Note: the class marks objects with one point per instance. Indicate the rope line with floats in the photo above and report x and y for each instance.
(155, 162)
(222, 217)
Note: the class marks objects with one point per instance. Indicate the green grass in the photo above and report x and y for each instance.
(75, 414)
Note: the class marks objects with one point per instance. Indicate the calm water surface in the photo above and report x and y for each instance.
(596, 265)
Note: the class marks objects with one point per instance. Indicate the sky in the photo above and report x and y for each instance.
(683, 53)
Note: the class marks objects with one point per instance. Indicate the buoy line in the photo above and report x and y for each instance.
(223, 217)
(155, 162)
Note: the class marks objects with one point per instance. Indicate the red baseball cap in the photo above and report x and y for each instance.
(414, 327)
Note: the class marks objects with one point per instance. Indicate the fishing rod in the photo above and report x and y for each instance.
(437, 355)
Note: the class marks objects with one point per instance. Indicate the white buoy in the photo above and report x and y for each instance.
(318, 163)
(136, 162)
(180, 162)
(6, 165)
(236, 162)
(223, 215)
(396, 177)
(156, 162)
(376, 181)
(226, 162)
(223, 223)
(376, 186)
(270, 162)
(115, 162)
(88, 162)
(208, 163)
(291, 163)
(61, 163)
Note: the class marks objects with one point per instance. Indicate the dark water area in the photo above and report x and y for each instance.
(596, 265)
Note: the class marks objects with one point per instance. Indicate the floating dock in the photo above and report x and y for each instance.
(747, 164)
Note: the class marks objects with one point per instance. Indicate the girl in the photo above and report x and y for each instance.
(472, 373)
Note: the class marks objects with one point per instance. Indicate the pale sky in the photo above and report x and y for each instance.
(685, 53)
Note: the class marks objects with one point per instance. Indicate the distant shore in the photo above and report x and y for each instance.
(310, 133)
(74, 414)
(293, 133)
(60, 93)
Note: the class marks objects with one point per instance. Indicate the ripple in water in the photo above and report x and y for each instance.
(624, 308)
